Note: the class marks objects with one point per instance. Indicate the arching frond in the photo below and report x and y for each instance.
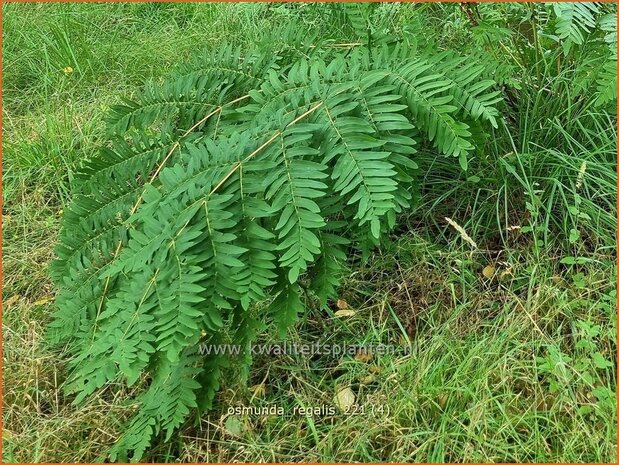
(245, 178)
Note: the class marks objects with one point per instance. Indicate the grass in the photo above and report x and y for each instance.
(516, 364)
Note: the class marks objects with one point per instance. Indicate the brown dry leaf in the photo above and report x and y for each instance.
(258, 390)
(11, 300)
(341, 304)
(363, 356)
(367, 379)
(43, 301)
(488, 271)
(375, 369)
(506, 272)
(348, 312)
(442, 400)
(344, 399)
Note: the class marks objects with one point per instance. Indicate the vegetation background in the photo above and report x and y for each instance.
(513, 342)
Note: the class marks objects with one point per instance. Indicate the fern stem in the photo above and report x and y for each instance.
(267, 143)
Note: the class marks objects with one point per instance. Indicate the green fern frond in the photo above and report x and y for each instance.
(286, 307)
(573, 21)
(358, 16)
(245, 178)
(606, 84)
(430, 99)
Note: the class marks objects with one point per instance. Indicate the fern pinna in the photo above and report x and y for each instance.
(245, 177)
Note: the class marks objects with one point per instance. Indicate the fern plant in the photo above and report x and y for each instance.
(245, 177)
(579, 22)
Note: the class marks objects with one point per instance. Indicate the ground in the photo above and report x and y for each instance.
(508, 347)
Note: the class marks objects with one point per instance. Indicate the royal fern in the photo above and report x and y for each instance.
(246, 177)
(574, 20)
(578, 23)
